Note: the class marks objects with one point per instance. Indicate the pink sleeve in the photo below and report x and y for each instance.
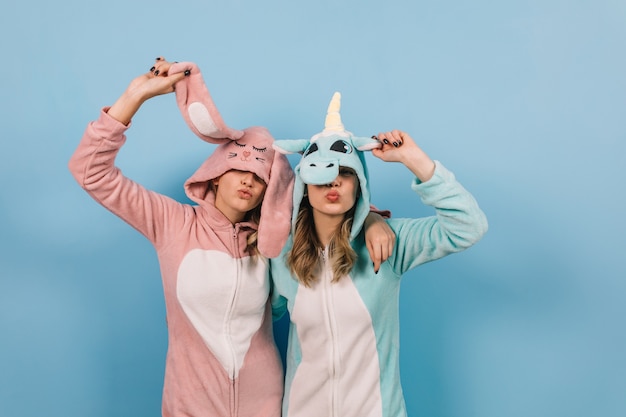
(93, 167)
(386, 214)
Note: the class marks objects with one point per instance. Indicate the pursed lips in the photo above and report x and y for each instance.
(245, 194)
(332, 196)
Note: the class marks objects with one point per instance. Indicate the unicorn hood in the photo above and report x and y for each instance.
(323, 154)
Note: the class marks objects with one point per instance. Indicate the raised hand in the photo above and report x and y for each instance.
(155, 82)
(399, 146)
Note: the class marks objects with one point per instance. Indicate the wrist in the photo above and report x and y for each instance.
(126, 106)
(421, 166)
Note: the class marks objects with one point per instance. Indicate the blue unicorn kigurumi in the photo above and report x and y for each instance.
(324, 153)
(343, 351)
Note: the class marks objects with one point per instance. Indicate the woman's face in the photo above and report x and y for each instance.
(336, 198)
(238, 192)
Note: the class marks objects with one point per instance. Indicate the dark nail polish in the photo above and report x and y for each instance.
(152, 69)
(187, 72)
(395, 144)
(158, 58)
(385, 141)
(156, 72)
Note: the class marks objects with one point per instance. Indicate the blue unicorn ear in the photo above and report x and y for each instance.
(290, 146)
(366, 144)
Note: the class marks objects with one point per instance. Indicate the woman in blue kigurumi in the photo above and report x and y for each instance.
(343, 354)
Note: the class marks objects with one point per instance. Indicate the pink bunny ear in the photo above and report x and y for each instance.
(197, 106)
(275, 223)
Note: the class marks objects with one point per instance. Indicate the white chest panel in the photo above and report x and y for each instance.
(225, 299)
(339, 373)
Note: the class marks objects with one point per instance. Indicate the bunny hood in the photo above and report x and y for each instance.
(323, 154)
(252, 152)
(246, 150)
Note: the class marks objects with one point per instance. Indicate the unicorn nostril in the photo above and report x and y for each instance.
(330, 165)
(312, 165)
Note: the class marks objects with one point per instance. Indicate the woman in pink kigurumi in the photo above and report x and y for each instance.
(221, 358)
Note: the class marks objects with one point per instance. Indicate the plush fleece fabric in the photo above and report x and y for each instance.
(221, 358)
(248, 150)
(343, 351)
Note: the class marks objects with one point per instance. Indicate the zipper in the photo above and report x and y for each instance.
(228, 320)
(334, 349)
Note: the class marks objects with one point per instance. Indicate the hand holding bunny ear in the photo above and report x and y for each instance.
(153, 83)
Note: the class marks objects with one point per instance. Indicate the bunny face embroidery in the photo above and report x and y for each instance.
(247, 152)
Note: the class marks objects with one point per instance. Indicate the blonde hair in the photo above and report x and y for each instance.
(304, 257)
(254, 216)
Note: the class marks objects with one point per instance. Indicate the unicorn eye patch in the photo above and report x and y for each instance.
(341, 146)
(311, 149)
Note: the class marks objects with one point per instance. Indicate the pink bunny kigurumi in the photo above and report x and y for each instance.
(246, 150)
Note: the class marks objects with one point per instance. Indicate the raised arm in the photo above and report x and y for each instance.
(93, 161)
(459, 222)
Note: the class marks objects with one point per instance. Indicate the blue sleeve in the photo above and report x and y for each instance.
(458, 223)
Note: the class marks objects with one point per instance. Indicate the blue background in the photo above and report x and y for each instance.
(524, 100)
